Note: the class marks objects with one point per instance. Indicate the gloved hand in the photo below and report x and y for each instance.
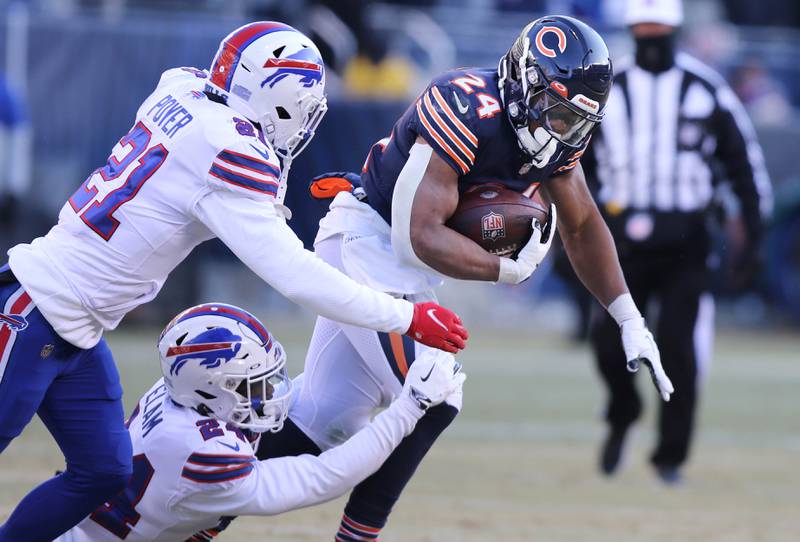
(744, 271)
(639, 346)
(327, 185)
(435, 326)
(432, 378)
(532, 254)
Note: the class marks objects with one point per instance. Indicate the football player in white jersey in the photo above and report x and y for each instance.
(193, 434)
(207, 157)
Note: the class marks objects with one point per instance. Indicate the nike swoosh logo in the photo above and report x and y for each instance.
(235, 449)
(461, 107)
(259, 151)
(427, 376)
(432, 315)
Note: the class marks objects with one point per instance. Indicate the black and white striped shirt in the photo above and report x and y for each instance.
(664, 135)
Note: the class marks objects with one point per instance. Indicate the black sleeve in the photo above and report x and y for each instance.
(742, 161)
(589, 164)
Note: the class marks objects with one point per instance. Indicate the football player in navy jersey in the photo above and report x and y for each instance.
(523, 124)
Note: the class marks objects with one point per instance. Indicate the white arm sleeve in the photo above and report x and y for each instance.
(262, 240)
(286, 483)
(402, 201)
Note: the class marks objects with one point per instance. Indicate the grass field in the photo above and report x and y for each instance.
(519, 463)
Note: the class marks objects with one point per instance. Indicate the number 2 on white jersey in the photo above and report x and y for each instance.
(118, 181)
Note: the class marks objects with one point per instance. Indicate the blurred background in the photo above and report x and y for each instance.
(73, 73)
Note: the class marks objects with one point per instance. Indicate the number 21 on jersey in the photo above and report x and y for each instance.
(131, 164)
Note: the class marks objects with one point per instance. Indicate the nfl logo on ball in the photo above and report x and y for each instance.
(493, 226)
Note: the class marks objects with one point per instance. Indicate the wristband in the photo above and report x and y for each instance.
(509, 271)
(623, 309)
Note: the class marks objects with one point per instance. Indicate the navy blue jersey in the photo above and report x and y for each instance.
(462, 117)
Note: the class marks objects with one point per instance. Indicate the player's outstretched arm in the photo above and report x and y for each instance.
(286, 483)
(260, 238)
(593, 255)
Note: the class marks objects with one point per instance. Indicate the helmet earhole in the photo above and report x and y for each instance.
(282, 113)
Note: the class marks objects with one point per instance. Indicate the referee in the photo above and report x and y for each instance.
(673, 129)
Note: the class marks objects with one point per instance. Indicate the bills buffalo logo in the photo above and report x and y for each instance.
(210, 355)
(543, 48)
(15, 322)
(304, 63)
(493, 226)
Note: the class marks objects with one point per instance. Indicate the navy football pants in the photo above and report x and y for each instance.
(78, 396)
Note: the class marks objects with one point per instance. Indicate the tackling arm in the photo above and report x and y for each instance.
(262, 240)
(286, 483)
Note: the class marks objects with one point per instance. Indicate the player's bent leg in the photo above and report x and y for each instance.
(372, 500)
(83, 411)
(339, 393)
(676, 332)
(383, 360)
(25, 374)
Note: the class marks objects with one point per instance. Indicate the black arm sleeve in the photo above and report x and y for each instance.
(741, 159)
(589, 164)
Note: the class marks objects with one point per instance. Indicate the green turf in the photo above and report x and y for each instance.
(519, 463)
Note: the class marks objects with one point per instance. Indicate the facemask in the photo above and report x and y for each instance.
(540, 145)
(655, 53)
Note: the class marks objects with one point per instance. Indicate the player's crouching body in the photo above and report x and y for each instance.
(194, 434)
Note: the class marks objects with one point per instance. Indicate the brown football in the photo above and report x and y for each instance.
(496, 218)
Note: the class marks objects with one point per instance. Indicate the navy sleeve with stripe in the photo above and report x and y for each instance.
(446, 129)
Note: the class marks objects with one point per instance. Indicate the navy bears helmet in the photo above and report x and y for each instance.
(554, 83)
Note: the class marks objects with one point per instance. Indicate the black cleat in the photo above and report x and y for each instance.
(611, 452)
(669, 475)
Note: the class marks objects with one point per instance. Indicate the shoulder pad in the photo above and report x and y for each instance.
(175, 75)
(220, 459)
(447, 120)
(244, 162)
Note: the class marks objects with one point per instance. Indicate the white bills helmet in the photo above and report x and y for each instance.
(221, 361)
(273, 75)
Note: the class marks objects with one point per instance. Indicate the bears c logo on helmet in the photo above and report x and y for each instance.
(544, 49)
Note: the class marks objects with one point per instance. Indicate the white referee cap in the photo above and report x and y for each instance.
(669, 12)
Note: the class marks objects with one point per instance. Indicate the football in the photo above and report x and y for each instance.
(496, 218)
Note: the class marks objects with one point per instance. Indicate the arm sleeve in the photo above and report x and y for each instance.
(262, 240)
(449, 133)
(286, 483)
(740, 155)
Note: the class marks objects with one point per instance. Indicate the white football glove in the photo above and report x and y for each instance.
(532, 254)
(432, 378)
(639, 346)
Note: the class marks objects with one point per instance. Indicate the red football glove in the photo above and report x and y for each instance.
(435, 326)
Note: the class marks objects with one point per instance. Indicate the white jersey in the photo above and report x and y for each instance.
(191, 472)
(189, 170)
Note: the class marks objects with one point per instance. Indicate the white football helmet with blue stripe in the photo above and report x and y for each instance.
(273, 75)
(221, 361)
